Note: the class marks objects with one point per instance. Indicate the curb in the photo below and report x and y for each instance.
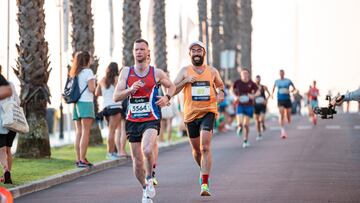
(78, 172)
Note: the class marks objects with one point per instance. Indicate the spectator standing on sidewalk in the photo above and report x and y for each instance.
(112, 112)
(83, 113)
(6, 136)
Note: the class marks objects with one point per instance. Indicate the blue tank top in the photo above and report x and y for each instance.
(283, 86)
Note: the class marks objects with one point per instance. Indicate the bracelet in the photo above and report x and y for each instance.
(168, 96)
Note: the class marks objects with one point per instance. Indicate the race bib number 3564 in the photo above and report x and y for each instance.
(200, 91)
(139, 107)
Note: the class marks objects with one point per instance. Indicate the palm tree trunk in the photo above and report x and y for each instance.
(131, 29)
(33, 73)
(202, 18)
(160, 34)
(83, 40)
(230, 27)
(216, 40)
(245, 33)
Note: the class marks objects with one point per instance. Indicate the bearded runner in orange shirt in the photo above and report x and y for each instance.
(203, 88)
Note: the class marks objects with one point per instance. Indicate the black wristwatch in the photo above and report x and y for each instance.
(168, 96)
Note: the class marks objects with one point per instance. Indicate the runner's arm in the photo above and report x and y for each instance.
(268, 92)
(219, 84)
(5, 91)
(293, 86)
(273, 90)
(180, 81)
(256, 93)
(121, 92)
(165, 81)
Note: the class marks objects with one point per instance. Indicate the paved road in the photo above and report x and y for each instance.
(315, 164)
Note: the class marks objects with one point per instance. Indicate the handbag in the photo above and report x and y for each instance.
(12, 115)
(168, 112)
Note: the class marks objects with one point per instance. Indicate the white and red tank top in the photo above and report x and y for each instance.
(142, 105)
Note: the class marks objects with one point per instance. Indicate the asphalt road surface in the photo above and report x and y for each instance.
(315, 164)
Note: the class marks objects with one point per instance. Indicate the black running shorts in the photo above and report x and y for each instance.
(284, 103)
(135, 130)
(259, 108)
(205, 123)
(6, 140)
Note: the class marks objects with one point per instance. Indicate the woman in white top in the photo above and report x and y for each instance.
(112, 112)
(6, 136)
(83, 113)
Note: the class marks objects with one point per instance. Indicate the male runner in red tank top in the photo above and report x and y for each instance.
(138, 84)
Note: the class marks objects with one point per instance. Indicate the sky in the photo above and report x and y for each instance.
(309, 39)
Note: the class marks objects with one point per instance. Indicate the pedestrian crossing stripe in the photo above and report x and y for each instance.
(304, 127)
(332, 127)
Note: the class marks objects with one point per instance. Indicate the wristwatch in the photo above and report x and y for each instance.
(168, 96)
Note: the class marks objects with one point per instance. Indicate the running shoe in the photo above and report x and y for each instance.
(112, 156)
(205, 191)
(145, 198)
(150, 189)
(155, 181)
(245, 144)
(283, 135)
(7, 178)
(84, 164)
(259, 137)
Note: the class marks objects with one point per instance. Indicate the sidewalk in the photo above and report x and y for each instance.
(78, 172)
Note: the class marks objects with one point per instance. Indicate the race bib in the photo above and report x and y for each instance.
(284, 91)
(139, 107)
(259, 100)
(244, 99)
(200, 91)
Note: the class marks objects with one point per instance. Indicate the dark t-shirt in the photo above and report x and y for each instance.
(3, 81)
(242, 89)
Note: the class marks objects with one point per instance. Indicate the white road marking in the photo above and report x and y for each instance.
(332, 127)
(304, 127)
(357, 127)
(274, 128)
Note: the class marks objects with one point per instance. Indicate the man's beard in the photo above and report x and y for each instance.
(197, 62)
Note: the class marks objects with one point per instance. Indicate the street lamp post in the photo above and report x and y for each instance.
(61, 133)
(8, 41)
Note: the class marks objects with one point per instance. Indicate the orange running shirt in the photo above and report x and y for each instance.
(200, 96)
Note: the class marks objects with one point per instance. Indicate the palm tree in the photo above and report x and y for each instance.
(216, 39)
(160, 34)
(32, 69)
(202, 5)
(83, 40)
(203, 25)
(230, 10)
(131, 29)
(245, 33)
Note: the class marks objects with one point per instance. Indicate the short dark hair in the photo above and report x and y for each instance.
(141, 40)
(245, 69)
